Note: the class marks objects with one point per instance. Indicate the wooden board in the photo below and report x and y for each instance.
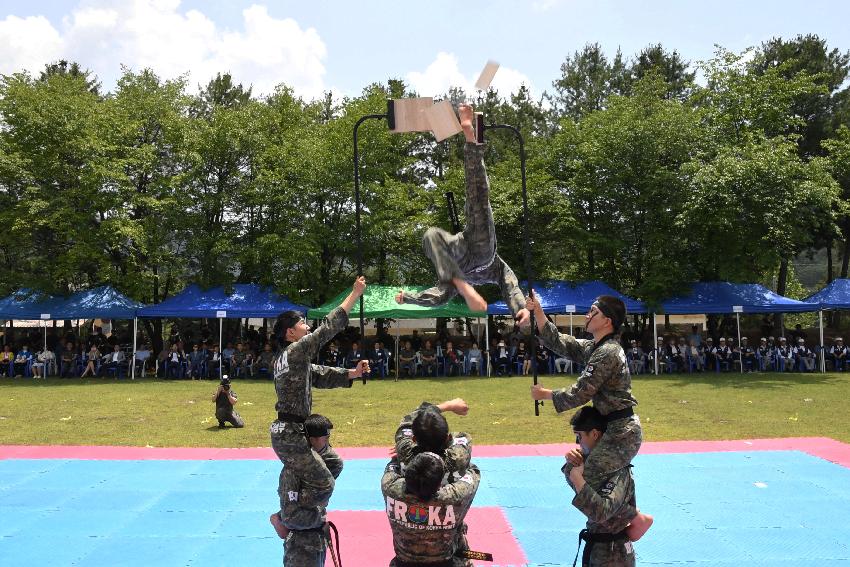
(409, 114)
(443, 120)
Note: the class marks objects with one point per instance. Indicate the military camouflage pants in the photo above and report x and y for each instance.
(231, 417)
(291, 447)
(615, 450)
(612, 554)
(304, 549)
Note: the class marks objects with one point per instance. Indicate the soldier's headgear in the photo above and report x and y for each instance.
(317, 425)
(424, 475)
(613, 308)
(286, 320)
(587, 419)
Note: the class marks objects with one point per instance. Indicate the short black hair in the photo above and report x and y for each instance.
(587, 419)
(430, 430)
(286, 320)
(317, 425)
(424, 475)
(613, 308)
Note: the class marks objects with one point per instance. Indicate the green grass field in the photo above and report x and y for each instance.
(181, 414)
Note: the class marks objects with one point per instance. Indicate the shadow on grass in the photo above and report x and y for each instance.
(761, 380)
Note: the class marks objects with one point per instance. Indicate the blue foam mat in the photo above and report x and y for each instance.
(744, 509)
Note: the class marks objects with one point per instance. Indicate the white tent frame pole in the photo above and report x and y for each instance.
(822, 347)
(655, 341)
(487, 345)
(397, 339)
(740, 352)
(135, 340)
(220, 355)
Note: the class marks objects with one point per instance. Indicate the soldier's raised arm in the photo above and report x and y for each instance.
(336, 322)
(559, 343)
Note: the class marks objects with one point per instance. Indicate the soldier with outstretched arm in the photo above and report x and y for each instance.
(295, 376)
(606, 381)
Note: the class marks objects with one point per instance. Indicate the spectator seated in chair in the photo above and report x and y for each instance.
(197, 362)
(23, 362)
(265, 361)
(634, 356)
(429, 360)
(7, 361)
(804, 356)
(377, 360)
(175, 362)
(41, 363)
(454, 360)
(837, 353)
(114, 362)
(142, 359)
(746, 356)
(722, 356)
(502, 359)
(354, 355)
(68, 361)
(407, 360)
(92, 362)
(764, 355)
(242, 361)
(784, 356)
(473, 360)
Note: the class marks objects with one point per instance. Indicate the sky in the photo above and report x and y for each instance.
(343, 45)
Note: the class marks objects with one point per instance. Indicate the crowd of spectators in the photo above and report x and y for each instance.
(696, 353)
(252, 356)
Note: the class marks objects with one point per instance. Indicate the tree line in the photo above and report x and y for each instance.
(647, 172)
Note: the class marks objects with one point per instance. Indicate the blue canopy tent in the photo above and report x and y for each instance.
(246, 300)
(101, 302)
(727, 297)
(104, 302)
(561, 296)
(26, 304)
(834, 296)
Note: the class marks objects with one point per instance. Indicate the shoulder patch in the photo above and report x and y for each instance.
(407, 432)
(588, 369)
(461, 441)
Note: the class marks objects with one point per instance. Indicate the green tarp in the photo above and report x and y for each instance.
(379, 302)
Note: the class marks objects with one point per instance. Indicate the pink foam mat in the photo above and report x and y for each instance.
(823, 447)
(489, 531)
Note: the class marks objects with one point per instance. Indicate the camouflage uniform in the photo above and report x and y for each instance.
(608, 510)
(294, 378)
(457, 456)
(607, 381)
(426, 532)
(304, 516)
(469, 255)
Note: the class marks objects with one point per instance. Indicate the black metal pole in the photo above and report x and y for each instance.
(529, 274)
(357, 216)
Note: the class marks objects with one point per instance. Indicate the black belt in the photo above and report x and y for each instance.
(400, 563)
(463, 553)
(283, 416)
(316, 530)
(592, 539)
(619, 414)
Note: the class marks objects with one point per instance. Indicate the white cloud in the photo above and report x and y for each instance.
(27, 43)
(444, 73)
(102, 35)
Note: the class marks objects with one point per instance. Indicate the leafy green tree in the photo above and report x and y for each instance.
(54, 169)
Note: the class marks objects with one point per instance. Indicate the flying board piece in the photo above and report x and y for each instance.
(486, 76)
(409, 114)
(442, 120)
